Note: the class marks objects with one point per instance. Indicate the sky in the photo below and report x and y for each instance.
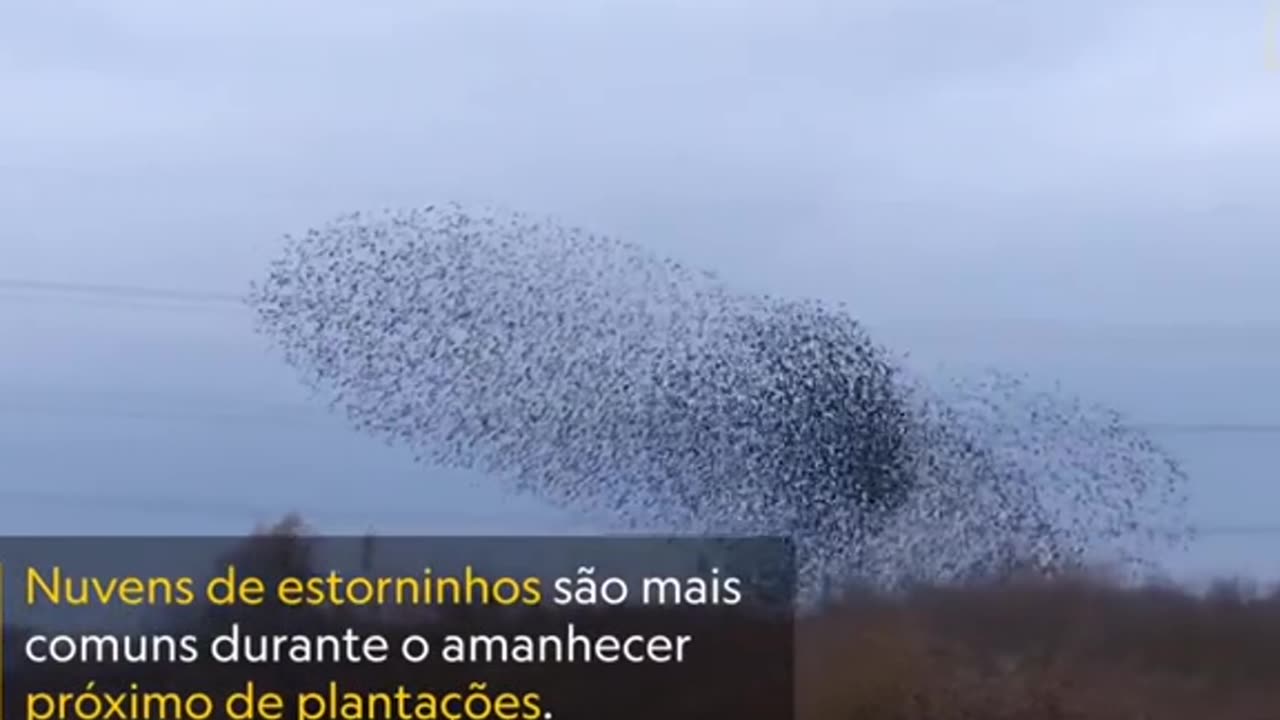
(1079, 191)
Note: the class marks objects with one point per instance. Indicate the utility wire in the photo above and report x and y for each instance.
(1217, 530)
(134, 305)
(304, 417)
(1190, 428)
(282, 419)
(135, 292)
(222, 297)
(213, 506)
(84, 291)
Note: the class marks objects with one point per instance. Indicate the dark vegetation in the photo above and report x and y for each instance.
(1078, 646)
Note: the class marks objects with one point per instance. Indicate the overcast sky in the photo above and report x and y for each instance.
(1081, 190)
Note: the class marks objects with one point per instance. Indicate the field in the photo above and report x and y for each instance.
(1082, 648)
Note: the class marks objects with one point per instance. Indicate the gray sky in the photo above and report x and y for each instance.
(1083, 191)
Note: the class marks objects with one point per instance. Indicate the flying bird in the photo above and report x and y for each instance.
(612, 381)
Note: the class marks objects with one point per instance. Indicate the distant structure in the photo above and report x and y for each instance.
(611, 381)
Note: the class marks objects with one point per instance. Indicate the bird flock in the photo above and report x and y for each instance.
(617, 383)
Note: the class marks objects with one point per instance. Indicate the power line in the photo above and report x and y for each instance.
(214, 506)
(83, 291)
(1214, 530)
(129, 292)
(1212, 428)
(142, 292)
(306, 417)
(282, 418)
(148, 305)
